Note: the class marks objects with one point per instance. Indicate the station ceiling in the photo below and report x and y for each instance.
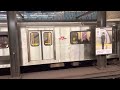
(53, 15)
(85, 16)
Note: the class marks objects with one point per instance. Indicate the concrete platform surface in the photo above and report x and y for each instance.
(72, 73)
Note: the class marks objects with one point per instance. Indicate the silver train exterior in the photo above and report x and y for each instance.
(52, 42)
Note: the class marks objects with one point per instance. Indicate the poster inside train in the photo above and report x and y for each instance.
(103, 41)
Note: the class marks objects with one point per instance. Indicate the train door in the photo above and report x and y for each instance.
(35, 46)
(77, 50)
(47, 45)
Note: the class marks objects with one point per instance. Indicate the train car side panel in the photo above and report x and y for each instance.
(64, 44)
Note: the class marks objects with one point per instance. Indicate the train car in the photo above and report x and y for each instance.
(51, 42)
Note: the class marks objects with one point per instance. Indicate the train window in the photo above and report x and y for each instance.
(47, 38)
(74, 37)
(3, 41)
(34, 38)
(80, 37)
(85, 37)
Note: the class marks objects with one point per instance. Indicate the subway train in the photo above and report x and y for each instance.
(53, 42)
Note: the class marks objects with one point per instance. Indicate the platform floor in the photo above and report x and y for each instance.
(72, 73)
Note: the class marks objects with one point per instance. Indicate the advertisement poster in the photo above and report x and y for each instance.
(103, 41)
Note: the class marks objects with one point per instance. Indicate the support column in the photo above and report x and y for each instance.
(101, 22)
(13, 44)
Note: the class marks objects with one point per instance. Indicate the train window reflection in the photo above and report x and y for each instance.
(34, 38)
(47, 38)
(4, 41)
(85, 37)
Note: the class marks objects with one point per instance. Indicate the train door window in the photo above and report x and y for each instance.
(34, 38)
(3, 41)
(47, 38)
(74, 37)
(85, 37)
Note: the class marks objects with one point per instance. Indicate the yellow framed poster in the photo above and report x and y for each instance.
(103, 40)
